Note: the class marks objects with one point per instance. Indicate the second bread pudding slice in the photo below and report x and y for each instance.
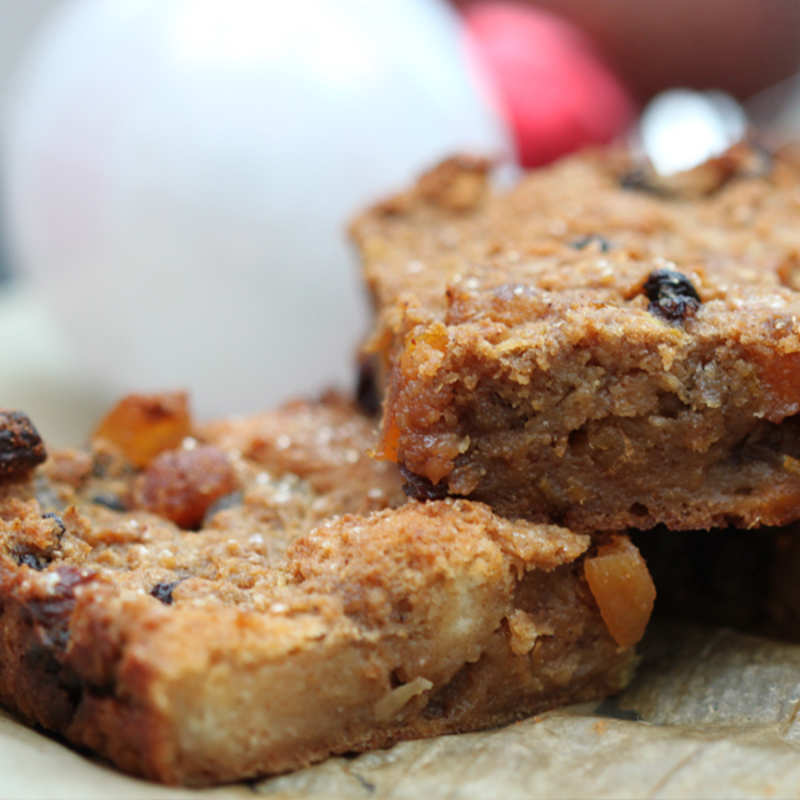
(597, 346)
(202, 605)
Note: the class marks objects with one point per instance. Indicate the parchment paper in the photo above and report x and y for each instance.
(712, 714)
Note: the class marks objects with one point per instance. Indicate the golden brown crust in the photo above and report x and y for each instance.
(595, 350)
(272, 637)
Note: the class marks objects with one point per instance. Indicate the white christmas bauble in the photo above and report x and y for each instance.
(179, 174)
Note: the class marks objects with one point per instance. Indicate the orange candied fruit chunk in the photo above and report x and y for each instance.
(144, 425)
(623, 589)
(390, 439)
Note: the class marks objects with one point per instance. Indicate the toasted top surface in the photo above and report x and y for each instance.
(581, 238)
(208, 518)
(591, 255)
(589, 230)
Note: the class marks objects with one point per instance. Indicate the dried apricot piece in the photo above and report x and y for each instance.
(623, 589)
(144, 425)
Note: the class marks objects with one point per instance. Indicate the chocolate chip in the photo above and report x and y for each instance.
(62, 528)
(163, 591)
(367, 394)
(420, 488)
(109, 500)
(584, 241)
(671, 295)
(21, 447)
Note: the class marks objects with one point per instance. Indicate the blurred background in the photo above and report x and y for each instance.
(177, 175)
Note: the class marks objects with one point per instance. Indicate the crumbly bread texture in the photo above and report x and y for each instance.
(597, 346)
(251, 600)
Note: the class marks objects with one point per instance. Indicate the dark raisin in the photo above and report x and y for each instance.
(584, 241)
(52, 612)
(62, 528)
(225, 502)
(671, 295)
(109, 500)
(163, 592)
(420, 488)
(367, 394)
(30, 560)
(21, 447)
